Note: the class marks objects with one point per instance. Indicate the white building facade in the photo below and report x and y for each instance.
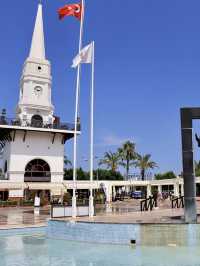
(32, 144)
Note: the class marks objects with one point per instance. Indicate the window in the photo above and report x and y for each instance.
(36, 121)
(38, 170)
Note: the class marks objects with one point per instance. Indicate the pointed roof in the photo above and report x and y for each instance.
(38, 46)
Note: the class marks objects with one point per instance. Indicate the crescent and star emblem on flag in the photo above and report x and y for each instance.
(78, 9)
(74, 10)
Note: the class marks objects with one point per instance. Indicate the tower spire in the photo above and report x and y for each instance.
(37, 46)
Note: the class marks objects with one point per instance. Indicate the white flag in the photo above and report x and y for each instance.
(84, 57)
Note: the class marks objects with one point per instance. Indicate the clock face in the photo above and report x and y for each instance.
(38, 90)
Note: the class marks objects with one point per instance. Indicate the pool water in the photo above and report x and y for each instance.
(35, 249)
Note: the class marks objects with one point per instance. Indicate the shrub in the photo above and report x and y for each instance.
(100, 174)
(8, 203)
(167, 175)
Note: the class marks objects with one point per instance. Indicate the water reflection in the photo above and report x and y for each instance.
(19, 216)
(170, 234)
(36, 250)
(108, 208)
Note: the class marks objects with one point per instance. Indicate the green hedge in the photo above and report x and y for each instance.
(8, 203)
(167, 175)
(26, 203)
(13, 203)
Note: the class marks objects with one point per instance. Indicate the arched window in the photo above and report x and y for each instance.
(36, 121)
(37, 170)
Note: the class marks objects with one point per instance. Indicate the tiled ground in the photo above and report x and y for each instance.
(156, 216)
(15, 217)
(129, 212)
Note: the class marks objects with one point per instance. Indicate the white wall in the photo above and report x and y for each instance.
(31, 102)
(33, 77)
(37, 145)
(16, 193)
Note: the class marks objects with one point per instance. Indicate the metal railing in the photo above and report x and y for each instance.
(68, 203)
(66, 210)
(178, 202)
(38, 179)
(148, 204)
(38, 124)
(37, 176)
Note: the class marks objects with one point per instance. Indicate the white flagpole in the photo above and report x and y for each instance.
(91, 200)
(74, 209)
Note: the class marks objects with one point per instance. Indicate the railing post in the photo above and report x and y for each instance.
(151, 203)
(146, 205)
(156, 202)
(182, 201)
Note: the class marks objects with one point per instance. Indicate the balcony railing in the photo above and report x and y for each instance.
(38, 124)
(37, 176)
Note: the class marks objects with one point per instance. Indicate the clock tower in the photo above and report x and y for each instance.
(34, 104)
(32, 143)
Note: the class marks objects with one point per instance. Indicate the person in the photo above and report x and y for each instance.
(37, 201)
(155, 195)
(60, 201)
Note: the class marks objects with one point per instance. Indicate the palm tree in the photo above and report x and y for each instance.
(111, 160)
(67, 162)
(144, 163)
(127, 155)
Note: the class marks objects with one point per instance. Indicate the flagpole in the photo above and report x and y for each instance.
(91, 199)
(74, 207)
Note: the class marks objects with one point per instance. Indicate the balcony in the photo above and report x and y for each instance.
(38, 124)
(37, 176)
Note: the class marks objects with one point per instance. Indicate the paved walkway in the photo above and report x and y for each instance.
(18, 217)
(117, 212)
(156, 216)
(129, 212)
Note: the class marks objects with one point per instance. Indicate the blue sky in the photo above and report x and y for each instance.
(147, 67)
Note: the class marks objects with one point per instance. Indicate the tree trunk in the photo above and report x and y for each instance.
(127, 170)
(143, 174)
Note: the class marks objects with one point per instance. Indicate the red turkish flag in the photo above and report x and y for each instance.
(70, 10)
